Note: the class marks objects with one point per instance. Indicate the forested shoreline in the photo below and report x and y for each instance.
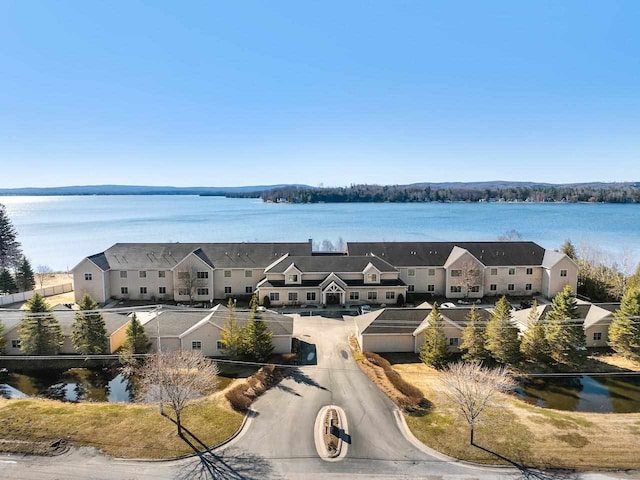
(612, 193)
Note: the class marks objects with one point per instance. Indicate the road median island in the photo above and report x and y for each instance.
(331, 433)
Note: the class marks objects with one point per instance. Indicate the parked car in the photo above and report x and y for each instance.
(364, 309)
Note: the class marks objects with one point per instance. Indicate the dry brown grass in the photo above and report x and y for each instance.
(523, 433)
(121, 430)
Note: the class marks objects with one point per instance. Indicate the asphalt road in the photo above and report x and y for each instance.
(279, 441)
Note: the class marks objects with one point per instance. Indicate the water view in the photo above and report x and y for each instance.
(77, 226)
(602, 393)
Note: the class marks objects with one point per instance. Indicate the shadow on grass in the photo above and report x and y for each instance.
(532, 473)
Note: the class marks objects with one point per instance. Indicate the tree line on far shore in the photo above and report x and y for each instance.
(612, 193)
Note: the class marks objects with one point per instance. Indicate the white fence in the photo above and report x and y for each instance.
(45, 292)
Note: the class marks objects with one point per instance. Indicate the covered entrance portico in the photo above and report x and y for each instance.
(333, 294)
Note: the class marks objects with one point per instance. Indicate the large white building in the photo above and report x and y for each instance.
(291, 273)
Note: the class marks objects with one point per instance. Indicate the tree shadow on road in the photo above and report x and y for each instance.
(530, 473)
(229, 465)
(290, 390)
(302, 378)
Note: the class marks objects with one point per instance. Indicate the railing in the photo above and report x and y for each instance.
(45, 292)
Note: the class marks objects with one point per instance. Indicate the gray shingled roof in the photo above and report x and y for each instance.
(173, 323)
(398, 320)
(218, 255)
(435, 254)
(328, 264)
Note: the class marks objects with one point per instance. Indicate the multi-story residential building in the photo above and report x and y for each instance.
(475, 269)
(291, 273)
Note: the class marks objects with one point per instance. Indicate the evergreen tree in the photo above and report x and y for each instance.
(565, 332)
(634, 280)
(434, 351)
(474, 338)
(534, 345)
(624, 331)
(136, 338)
(7, 283)
(40, 332)
(24, 275)
(10, 250)
(503, 342)
(569, 250)
(231, 335)
(257, 342)
(89, 334)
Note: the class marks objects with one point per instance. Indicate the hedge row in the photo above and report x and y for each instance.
(242, 395)
(413, 393)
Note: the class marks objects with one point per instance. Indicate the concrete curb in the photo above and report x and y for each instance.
(319, 441)
(410, 437)
(244, 426)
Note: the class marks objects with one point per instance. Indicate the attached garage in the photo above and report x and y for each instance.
(384, 343)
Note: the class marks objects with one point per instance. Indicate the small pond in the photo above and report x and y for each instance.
(586, 393)
(87, 385)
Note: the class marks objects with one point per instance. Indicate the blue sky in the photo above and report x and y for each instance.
(253, 92)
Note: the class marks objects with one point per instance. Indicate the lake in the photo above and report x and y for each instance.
(61, 230)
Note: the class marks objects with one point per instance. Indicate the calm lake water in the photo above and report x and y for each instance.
(60, 231)
(603, 394)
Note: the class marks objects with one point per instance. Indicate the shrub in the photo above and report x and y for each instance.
(238, 398)
(266, 301)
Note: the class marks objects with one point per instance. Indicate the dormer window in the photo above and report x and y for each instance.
(372, 277)
(293, 278)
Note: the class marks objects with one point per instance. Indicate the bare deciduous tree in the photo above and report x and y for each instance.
(471, 387)
(43, 272)
(175, 379)
(471, 276)
(190, 279)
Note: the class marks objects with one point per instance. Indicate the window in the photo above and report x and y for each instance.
(372, 277)
(123, 274)
(597, 336)
(411, 288)
(511, 287)
(563, 273)
(183, 275)
(372, 295)
(202, 275)
(455, 289)
(220, 345)
(143, 290)
(142, 274)
(411, 272)
(529, 271)
(527, 287)
(15, 343)
(196, 345)
(274, 296)
(354, 296)
(494, 271)
(183, 291)
(390, 296)
(475, 289)
(512, 271)
(248, 289)
(293, 277)
(493, 287)
(162, 290)
(227, 274)
(431, 288)
(432, 272)
(203, 291)
(456, 273)
(124, 290)
(454, 341)
(311, 296)
(161, 273)
(88, 277)
(293, 296)
(248, 273)
(227, 290)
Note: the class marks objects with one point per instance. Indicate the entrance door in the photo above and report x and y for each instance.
(333, 299)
